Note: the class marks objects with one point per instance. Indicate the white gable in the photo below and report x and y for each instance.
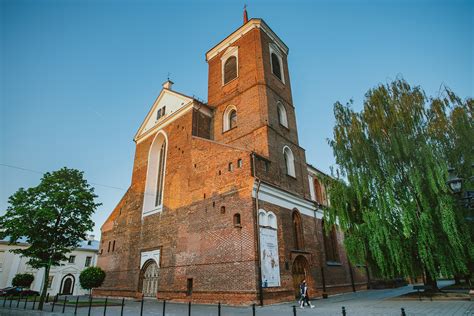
(170, 101)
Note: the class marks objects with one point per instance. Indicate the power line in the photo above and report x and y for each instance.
(39, 172)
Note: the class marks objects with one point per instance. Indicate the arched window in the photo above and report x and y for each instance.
(318, 191)
(298, 230)
(289, 161)
(155, 179)
(330, 244)
(230, 69)
(276, 67)
(282, 118)
(230, 118)
(272, 220)
(267, 219)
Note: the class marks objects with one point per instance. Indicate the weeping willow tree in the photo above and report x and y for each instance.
(391, 199)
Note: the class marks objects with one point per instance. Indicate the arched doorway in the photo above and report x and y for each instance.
(299, 273)
(67, 285)
(150, 274)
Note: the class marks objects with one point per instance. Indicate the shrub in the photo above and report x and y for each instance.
(23, 280)
(91, 277)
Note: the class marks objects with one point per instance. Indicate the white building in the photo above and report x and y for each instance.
(63, 279)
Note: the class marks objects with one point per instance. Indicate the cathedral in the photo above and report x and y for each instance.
(222, 205)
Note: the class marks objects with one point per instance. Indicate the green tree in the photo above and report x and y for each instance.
(392, 199)
(53, 217)
(91, 277)
(23, 280)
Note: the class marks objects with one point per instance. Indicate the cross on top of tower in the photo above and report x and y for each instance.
(246, 17)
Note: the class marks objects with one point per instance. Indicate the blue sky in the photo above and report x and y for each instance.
(78, 77)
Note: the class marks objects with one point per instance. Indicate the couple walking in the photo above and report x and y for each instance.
(304, 295)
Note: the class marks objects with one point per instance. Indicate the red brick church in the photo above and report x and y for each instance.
(222, 204)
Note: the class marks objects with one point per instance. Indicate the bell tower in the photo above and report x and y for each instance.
(250, 91)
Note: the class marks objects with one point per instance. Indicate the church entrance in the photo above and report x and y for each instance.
(67, 285)
(150, 274)
(299, 273)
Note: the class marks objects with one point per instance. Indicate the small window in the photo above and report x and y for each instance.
(108, 248)
(113, 246)
(88, 262)
(222, 209)
(276, 67)
(239, 163)
(266, 166)
(231, 166)
(237, 220)
(160, 113)
(232, 119)
(72, 259)
(89, 242)
(230, 69)
(189, 287)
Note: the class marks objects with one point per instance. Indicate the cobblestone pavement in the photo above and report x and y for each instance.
(373, 302)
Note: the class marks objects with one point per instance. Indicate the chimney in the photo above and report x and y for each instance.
(168, 84)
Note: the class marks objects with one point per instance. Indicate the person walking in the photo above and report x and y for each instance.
(304, 295)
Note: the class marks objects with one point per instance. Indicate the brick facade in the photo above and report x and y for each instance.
(210, 180)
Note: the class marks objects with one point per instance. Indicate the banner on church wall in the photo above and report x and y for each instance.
(269, 257)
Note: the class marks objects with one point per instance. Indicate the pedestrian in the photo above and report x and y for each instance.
(304, 295)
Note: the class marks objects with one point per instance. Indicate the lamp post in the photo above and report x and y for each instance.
(465, 197)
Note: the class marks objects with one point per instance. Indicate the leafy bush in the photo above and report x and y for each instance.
(91, 277)
(23, 280)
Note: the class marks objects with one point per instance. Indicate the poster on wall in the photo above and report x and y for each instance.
(269, 257)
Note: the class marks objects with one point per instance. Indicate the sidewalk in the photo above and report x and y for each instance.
(372, 302)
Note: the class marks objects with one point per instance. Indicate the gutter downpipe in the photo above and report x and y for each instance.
(257, 229)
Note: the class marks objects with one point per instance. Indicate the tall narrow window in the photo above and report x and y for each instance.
(189, 288)
(289, 161)
(276, 67)
(330, 244)
(161, 176)
(232, 119)
(230, 69)
(298, 230)
(282, 118)
(318, 191)
(155, 176)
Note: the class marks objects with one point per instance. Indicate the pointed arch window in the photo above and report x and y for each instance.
(330, 244)
(289, 161)
(155, 177)
(318, 191)
(298, 230)
(282, 117)
(161, 176)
